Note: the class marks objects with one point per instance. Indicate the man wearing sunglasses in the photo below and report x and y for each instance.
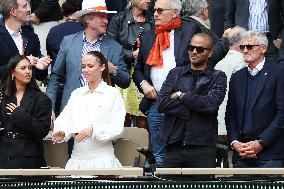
(254, 114)
(190, 98)
(161, 49)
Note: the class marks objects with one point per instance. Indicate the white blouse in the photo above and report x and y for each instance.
(102, 109)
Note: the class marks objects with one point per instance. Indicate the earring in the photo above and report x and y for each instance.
(12, 77)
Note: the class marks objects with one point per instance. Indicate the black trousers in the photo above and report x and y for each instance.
(190, 156)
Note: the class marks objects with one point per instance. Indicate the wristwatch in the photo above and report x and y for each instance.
(261, 143)
(179, 93)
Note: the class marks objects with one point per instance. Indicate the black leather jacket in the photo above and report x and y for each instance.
(125, 31)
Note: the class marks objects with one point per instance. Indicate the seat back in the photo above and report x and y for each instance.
(125, 147)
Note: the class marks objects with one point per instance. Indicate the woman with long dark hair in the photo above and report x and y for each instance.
(25, 117)
(93, 116)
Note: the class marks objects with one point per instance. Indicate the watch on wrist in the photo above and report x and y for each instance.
(179, 93)
(261, 143)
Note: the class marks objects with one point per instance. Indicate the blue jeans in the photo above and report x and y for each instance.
(252, 163)
(154, 121)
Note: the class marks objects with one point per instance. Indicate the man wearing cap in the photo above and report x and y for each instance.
(161, 50)
(68, 63)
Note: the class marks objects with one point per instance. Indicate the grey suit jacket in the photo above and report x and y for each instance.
(68, 66)
(237, 14)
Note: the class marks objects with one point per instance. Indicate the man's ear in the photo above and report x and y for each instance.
(175, 13)
(13, 11)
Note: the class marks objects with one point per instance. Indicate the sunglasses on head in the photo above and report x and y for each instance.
(249, 47)
(160, 10)
(199, 50)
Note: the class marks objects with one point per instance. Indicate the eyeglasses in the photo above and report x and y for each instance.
(249, 47)
(199, 50)
(160, 10)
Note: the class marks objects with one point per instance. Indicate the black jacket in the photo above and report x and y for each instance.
(9, 48)
(47, 10)
(125, 31)
(197, 110)
(31, 120)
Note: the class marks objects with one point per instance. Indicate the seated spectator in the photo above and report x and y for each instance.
(25, 117)
(93, 116)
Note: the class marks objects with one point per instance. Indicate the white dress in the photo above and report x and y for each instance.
(103, 110)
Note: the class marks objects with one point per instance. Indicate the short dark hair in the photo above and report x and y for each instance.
(208, 38)
(69, 7)
(7, 84)
(102, 61)
(6, 6)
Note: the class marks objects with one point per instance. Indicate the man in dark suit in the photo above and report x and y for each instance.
(263, 15)
(157, 56)
(18, 38)
(254, 115)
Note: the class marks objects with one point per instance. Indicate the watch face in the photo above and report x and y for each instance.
(179, 93)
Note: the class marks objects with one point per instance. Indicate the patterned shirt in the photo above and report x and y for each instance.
(87, 47)
(258, 15)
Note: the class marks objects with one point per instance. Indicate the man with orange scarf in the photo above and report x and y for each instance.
(161, 50)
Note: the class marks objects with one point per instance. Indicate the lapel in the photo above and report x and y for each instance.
(263, 78)
(27, 98)
(104, 47)
(8, 40)
(177, 41)
(25, 40)
(242, 80)
(78, 50)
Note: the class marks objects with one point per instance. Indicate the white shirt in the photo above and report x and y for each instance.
(18, 39)
(159, 75)
(231, 63)
(256, 69)
(102, 109)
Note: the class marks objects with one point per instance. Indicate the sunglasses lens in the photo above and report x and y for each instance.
(159, 10)
(242, 47)
(199, 50)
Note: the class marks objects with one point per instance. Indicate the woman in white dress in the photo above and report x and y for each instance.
(94, 116)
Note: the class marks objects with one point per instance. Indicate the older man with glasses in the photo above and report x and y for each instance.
(254, 115)
(161, 49)
(190, 98)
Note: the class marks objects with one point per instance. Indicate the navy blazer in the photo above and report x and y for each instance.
(9, 48)
(182, 37)
(237, 14)
(267, 109)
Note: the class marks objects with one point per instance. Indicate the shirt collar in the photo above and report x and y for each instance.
(86, 40)
(11, 32)
(256, 69)
(190, 71)
(100, 89)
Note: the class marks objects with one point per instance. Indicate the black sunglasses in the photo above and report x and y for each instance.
(199, 50)
(249, 47)
(160, 10)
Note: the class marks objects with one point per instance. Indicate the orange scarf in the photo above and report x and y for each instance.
(162, 42)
